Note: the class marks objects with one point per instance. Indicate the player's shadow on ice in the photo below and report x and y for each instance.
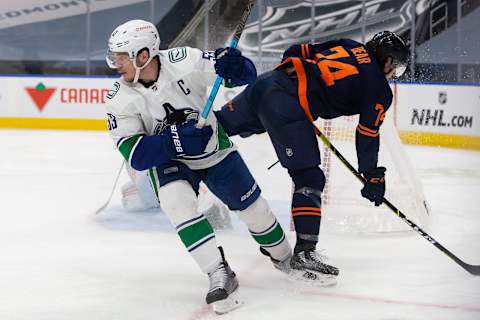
(117, 218)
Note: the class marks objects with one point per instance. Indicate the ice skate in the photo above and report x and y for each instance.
(222, 294)
(308, 265)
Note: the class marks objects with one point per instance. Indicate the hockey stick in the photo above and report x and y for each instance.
(472, 269)
(100, 209)
(273, 165)
(218, 80)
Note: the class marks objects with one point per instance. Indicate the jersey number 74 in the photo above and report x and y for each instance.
(332, 69)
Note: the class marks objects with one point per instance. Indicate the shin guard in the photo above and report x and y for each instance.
(306, 205)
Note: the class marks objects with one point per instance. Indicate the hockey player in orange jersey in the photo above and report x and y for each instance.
(327, 80)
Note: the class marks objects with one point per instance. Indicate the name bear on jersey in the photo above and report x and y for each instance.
(173, 117)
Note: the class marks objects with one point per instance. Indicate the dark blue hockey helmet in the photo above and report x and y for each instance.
(387, 44)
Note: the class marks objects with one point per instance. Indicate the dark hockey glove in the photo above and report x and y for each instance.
(187, 139)
(235, 69)
(374, 188)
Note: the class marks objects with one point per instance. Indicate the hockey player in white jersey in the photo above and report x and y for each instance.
(152, 111)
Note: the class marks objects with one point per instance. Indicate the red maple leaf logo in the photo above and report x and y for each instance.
(40, 95)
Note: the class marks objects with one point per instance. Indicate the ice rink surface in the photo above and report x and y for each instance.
(59, 261)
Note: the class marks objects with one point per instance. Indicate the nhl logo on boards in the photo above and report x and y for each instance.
(442, 97)
(289, 152)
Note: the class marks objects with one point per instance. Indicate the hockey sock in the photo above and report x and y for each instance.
(273, 240)
(306, 206)
(198, 237)
(265, 229)
(307, 217)
(179, 202)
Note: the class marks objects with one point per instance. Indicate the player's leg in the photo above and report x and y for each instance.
(306, 213)
(177, 186)
(139, 195)
(274, 101)
(296, 145)
(232, 182)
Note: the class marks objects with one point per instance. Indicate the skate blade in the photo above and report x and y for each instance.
(232, 302)
(316, 279)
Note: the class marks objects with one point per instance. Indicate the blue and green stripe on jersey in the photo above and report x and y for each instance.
(154, 181)
(270, 237)
(224, 141)
(127, 146)
(195, 232)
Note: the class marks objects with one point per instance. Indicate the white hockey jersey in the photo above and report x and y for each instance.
(134, 110)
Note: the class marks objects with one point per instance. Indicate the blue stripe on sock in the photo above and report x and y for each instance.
(188, 221)
(201, 243)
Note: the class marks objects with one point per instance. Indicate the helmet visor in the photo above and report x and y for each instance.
(117, 59)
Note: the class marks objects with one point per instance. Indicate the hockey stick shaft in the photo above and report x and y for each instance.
(100, 209)
(472, 269)
(273, 165)
(218, 81)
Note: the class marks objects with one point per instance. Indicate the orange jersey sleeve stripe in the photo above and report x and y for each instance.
(306, 209)
(307, 49)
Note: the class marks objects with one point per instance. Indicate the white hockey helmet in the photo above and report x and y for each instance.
(130, 38)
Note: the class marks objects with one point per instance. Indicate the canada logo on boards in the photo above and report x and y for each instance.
(40, 95)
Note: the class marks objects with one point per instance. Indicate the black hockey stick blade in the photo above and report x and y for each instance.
(472, 269)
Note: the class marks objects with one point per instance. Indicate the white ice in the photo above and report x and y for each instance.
(59, 261)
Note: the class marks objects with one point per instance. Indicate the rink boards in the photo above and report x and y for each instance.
(426, 114)
(53, 102)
